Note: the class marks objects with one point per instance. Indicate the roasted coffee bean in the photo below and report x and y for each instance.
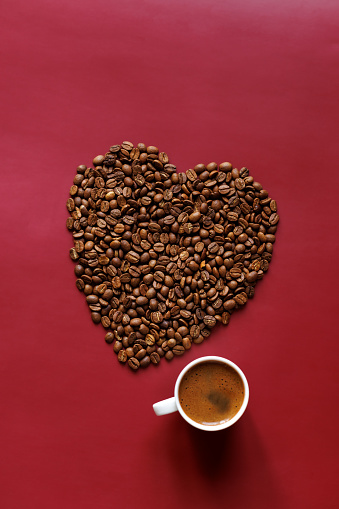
(132, 257)
(195, 331)
(178, 350)
(70, 223)
(161, 256)
(274, 219)
(122, 356)
(210, 321)
(145, 361)
(140, 354)
(106, 322)
(129, 351)
(150, 339)
(186, 343)
(92, 299)
(73, 254)
(252, 276)
(241, 298)
(155, 358)
(235, 272)
(117, 346)
(133, 363)
(96, 317)
(169, 355)
(229, 304)
(79, 270)
(109, 338)
(80, 285)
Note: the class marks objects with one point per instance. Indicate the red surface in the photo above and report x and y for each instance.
(255, 83)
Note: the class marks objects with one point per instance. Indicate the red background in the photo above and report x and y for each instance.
(251, 82)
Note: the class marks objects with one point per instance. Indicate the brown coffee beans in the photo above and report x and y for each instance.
(161, 256)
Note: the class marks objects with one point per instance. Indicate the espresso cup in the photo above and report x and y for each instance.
(211, 393)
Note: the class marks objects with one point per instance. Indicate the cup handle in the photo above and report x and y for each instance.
(166, 406)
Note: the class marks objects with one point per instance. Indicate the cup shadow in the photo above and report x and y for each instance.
(211, 449)
(234, 459)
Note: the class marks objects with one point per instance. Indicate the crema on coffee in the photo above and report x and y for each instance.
(211, 393)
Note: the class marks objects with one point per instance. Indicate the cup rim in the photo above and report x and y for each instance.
(223, 425)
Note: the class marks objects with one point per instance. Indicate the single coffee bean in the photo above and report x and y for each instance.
(109, 338)
(79, 270)
(117, 346)
(122, 356)
(274, 219)
(195, 331)
(252, 276)
(133, 363)
(229, 304)
(80, 285)
(129, 351)
(186, 343)
(178, 350)
(106, 322)
(210, 321)
(145, 361)
(73, 254)
(155, 358)
(140, 354)
(241, 298)
(96, 317)
(150, 339)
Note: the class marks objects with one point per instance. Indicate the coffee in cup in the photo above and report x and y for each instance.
(211, 393)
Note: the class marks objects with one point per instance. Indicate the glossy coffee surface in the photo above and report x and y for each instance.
(211, 393)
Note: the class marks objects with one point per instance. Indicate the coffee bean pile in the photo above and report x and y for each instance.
(161, 256)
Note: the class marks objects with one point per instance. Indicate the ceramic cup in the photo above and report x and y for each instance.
(170, 405)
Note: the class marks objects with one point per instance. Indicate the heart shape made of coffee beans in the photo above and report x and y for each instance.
(161, 256)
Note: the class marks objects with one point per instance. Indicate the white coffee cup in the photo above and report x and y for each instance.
(170, 405)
